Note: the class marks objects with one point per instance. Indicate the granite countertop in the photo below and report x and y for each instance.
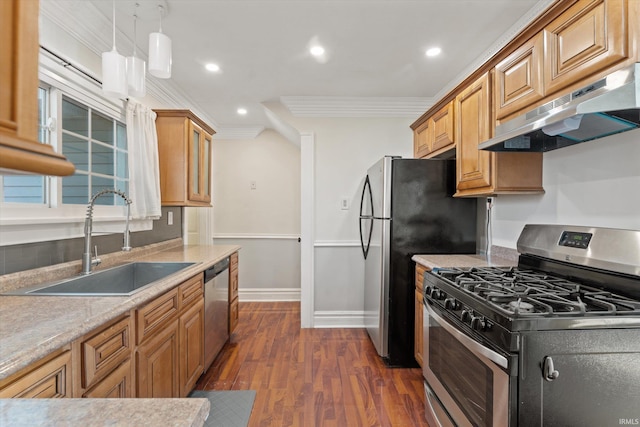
(500, 257)
(32, 327)
(104, 412)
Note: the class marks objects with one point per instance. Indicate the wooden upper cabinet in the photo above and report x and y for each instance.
(590, 36)
(473, 112)
(483, 173)
(434, 136)
(19, 146)
(421, 144)
(184, 150)
(518, 79)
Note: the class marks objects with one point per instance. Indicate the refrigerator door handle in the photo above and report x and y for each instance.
(365, 250)
(365, 187)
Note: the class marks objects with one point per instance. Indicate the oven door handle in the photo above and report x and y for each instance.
(470, 343)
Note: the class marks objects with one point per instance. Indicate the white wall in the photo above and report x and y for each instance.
(265, 221)
(595, 183)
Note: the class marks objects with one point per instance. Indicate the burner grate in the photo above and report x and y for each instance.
(524, 293)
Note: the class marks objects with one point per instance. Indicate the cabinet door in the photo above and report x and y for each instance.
(46, 380)
(472, 110)
(442, 129)
(589, 37)
(191, 347)
(157, 364)
(118, 384)
(417, 339)
(518, 78)
(421, 145)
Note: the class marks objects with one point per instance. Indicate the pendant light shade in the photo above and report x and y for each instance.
(136, 68)
(160, 53)
(114, 74)
(114, 68)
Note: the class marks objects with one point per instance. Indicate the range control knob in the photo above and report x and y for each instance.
(466, 315)
(451, 304)
(478, 323)
(437, 294)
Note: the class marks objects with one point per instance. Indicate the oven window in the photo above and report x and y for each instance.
(466, 378)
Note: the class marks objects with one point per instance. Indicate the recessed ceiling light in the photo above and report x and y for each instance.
(242, 111)
(317, 50)
(434, 51)
(212, 67)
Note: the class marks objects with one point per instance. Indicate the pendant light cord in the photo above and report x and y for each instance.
(114, 24)
(160, 10)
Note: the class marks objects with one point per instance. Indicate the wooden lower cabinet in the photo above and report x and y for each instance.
(417, 339)
(191, 333)
(157, 364)
(117, 384)
(48, 378)
(233, 292)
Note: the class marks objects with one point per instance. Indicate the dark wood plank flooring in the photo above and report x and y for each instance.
(312, 377)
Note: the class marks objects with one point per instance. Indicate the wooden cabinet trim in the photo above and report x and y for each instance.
(104, 350)
(158, 312)
(190, 292)
(50, 377)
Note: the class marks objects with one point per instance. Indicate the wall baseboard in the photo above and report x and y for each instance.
(338, 319)
(268, 294)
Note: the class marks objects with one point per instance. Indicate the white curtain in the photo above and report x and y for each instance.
(144, 169)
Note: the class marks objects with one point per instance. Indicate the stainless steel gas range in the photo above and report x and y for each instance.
(554, 341)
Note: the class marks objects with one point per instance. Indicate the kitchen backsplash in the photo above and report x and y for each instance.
(42, 254)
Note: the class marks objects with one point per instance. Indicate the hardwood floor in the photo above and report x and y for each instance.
(312, 377)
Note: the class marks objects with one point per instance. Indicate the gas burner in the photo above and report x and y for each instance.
(520, 306)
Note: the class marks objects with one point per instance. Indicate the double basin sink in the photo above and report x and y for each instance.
(123, 280)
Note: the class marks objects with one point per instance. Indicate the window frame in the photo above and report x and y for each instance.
(28, 223)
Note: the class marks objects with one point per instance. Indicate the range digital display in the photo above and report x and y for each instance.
(574, 239)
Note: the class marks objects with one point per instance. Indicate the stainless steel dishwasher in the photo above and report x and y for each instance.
(216, 310)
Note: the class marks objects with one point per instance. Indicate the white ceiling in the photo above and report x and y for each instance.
(375, 60)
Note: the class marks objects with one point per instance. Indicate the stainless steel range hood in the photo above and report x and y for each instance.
(608, 106)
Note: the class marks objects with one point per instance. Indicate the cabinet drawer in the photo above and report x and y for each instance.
(233, 315)
(190, 292)
(50, 378)
(102, 352)
(153, 315)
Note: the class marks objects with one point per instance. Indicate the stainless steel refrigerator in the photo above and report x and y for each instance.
(406, 208)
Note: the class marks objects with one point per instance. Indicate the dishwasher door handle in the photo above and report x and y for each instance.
(217, 268)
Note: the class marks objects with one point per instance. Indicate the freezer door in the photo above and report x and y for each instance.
(379, 177)
(376, 287)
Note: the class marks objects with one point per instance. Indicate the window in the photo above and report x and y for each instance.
(94, 142)
(97, 146)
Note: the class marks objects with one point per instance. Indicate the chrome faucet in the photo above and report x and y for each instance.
(87, 261)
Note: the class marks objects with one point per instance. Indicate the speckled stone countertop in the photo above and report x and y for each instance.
(500, 257)
(31, 327)
(104, 412)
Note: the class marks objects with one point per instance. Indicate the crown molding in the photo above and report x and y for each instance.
(339, 106)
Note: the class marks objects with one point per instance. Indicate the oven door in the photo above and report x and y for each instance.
(466, 379)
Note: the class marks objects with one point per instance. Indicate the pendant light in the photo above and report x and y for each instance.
(160, 52)
(114, 68)
(136, 67)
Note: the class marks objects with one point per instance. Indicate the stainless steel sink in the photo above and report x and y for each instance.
(123, 280)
